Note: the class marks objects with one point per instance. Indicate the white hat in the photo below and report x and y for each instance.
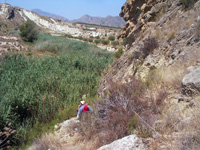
(82, 102)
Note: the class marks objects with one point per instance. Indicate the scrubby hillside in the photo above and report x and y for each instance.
(163, 51)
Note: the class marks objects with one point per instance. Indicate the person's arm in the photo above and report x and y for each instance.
(90, 109)
(80, 110)
(79, 107)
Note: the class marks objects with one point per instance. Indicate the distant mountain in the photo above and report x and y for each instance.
(43, 13)
(108, 21)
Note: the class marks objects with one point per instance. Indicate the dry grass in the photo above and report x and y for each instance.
(47, 141)
(167, 78)
(78, 143)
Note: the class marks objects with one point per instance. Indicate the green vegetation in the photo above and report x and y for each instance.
(36, 90)
(105, 42)
(90, 40)
(68, 35)
(111, 38)
(97, 41)
(119, 53)
(115, 43)
(28, 31)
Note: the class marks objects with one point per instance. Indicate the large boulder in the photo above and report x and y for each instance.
(131, 142)
(191, 83)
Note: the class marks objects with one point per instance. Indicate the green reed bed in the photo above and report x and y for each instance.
(36, 89)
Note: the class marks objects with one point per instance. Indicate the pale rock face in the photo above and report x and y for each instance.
(49, 25)
(191, 82)
(131, 142)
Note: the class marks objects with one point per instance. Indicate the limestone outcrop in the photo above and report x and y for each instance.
(10, 43)
(131, 142)
(191, 82)
(174, 29)
(137, 13)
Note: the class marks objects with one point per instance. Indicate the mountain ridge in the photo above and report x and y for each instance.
(114, 21)
(47, 14)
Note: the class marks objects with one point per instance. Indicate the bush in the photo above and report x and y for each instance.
(148, 46)
(115, 43)
(187, 3)
(91, 40)
(125, 42)
(119, 53)
(115, 112)
(97, 41)
(123, 109)
(68, 35)
(28, 31)
(105, 42)
(111, 38)
(85, 39)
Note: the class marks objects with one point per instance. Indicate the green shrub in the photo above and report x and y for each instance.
(97, 41)
(68, 35)
(118, 53)
(28, 31)
(133, 123)
(115, 43)
(105, 42)
(111, 38)
(85, 39)
(90, 40)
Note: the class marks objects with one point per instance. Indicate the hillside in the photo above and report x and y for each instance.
(12, 17)
(163, 51)
(107, 21)
(43, 13)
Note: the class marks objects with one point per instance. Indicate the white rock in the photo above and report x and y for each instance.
(131, 142)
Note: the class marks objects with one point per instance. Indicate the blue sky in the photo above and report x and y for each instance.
(72, 9)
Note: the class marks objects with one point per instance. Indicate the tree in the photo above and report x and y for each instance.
(28, 31)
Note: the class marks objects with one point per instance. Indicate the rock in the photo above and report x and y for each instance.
(131, 142)
(191, 83)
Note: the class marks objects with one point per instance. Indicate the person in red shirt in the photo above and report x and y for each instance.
(83, 107)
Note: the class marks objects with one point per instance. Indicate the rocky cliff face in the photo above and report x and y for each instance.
(163, 51)
(174, 29)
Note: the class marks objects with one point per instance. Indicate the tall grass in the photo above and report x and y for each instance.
(62, 45)
(35, 89)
